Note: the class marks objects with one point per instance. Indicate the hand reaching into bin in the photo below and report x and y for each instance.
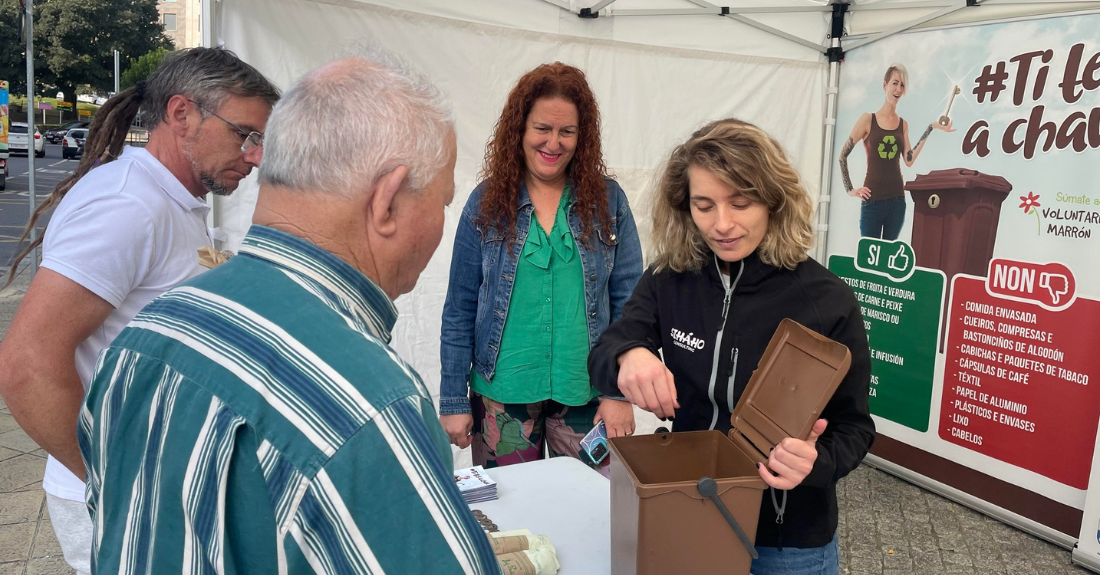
(646, 382)
(792, 460)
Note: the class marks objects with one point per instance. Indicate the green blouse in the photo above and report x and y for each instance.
(544, 346)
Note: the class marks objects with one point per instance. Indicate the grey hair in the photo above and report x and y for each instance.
(331, 132)
(205, 75)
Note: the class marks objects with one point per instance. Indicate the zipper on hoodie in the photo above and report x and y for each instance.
(730, 286)
(734, 354)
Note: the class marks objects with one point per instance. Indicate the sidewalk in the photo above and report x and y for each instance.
(887, 526)
(27, 542)
(890, 527)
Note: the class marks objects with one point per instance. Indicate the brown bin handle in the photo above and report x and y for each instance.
(965, 172)
(708, 488)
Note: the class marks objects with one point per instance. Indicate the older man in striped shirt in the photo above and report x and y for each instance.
(255, 419)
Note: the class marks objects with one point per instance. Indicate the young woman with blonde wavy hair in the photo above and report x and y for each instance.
(731, 228)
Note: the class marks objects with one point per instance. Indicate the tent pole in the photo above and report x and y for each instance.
(31, 130)
(563, 4)
(774, 31)
(823, 199)
(210, 40)
(907, 25)
(836, 55)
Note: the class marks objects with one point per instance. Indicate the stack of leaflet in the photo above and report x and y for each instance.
(475, 484)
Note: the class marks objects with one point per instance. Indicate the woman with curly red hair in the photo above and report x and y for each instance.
(545, 256)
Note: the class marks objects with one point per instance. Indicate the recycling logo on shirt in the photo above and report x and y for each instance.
(893, 149)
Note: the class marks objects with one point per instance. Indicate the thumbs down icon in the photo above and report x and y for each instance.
(1056, 284)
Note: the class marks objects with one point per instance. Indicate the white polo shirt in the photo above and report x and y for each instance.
(128, 231)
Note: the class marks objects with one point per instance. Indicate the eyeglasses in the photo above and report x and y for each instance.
(252, 140)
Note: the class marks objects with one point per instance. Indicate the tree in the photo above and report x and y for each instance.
(140, 68)
(74, 40)
(13, 61)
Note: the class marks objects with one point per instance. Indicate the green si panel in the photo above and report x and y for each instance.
(901, 312)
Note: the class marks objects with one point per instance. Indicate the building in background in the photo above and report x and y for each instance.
(182, 21)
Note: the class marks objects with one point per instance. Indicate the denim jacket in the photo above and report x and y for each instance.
(483, 271)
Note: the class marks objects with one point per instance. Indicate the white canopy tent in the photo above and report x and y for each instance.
(660, 68)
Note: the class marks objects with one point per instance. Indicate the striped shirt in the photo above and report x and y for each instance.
(255, 420)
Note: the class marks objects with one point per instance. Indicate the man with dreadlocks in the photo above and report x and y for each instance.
(127, 227)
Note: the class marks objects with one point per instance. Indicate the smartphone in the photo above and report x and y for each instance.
(595, 443)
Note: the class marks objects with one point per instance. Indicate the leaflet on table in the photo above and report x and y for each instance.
(475, 485)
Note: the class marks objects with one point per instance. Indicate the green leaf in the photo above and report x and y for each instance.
(511, 437)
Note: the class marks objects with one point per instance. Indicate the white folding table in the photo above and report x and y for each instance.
(562, 498)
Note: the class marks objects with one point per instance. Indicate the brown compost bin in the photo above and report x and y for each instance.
(955, 222)
(660, 523)
(955, 219)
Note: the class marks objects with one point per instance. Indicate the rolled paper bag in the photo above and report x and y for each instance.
(512, 544)
(211, 258)
(517, 540)
(540, 542)
(542, 561)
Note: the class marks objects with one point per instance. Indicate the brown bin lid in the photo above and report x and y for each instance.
(796, 377)
(662, 463)
(958, 179)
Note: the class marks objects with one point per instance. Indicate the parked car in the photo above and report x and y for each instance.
(3, 170)
(72, 145)
(17, 140)
(57, 134)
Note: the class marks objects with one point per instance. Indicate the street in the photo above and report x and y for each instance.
(15, 200)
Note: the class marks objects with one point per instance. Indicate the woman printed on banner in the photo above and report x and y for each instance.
(731, 229)
(885, 137)
(545, 256)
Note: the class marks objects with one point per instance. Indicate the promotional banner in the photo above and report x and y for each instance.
(3, 116)
(966, 217)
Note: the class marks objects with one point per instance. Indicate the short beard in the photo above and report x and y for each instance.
(213, 186)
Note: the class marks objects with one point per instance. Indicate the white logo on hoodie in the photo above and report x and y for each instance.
(687, 341)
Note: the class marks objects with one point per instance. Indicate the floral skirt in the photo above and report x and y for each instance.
(505, 434)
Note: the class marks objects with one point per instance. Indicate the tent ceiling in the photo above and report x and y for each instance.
(789, 29)
(868, 19)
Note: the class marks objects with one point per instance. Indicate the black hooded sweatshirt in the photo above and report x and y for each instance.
(681, 314)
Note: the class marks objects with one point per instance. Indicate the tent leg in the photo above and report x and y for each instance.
(836, 55)
(824, 197)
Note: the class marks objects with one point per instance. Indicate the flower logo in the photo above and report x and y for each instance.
(1029, 205)
(1031, 201)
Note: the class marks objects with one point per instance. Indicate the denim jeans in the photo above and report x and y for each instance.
(882, 218)
(790, 561)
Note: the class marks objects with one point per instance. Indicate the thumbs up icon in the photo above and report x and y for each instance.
(1056, 284)
(900, 260)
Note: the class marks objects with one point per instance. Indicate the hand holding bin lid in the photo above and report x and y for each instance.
(797, 375)
(661, 522)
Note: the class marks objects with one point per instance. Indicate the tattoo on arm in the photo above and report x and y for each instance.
(909, 156)
(847, 149)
